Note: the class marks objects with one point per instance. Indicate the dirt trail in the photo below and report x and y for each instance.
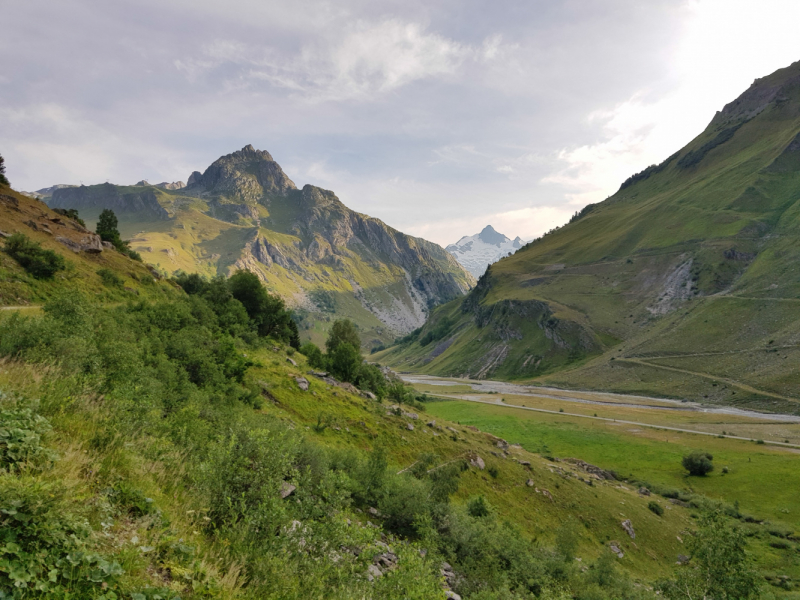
(731, 382)
(26, 307)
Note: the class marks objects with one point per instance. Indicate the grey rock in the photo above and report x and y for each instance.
(431, 423)
(287, 489)
(529, 483)
(302, 383)
(451, 595)
(409, 426)
(291, 361)
(373, 572)
(369, 395)
(478, 462)
(628, 527)
(90, 243)
(644, 491)
(614, 547)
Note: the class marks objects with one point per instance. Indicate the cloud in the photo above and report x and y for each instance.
(724, 46)
(369, 59)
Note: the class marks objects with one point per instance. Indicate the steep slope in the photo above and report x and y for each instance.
(477, 252)
(243, 212)
(86, 259)
(684, 283)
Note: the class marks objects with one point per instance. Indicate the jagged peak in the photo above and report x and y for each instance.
(490, 236)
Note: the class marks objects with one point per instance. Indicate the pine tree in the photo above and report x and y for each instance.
(3, 178)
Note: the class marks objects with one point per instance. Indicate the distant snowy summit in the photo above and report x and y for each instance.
(477, 252)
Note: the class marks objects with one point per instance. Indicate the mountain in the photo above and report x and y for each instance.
(685, 283)
(477, 252)
(327, 261)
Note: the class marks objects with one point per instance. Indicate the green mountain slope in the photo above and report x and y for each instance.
(684, 283)
(243, 212)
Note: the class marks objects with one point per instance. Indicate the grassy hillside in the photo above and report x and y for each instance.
(305, 245)
(83, 272)
(683, 283)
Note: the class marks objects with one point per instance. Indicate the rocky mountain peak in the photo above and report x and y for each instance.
(247, 173)
(490, 236)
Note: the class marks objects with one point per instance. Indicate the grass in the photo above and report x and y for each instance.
(761, 480)
(605, 279)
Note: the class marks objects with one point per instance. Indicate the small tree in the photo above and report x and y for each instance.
(3, 178)
(719, 567)
(698, 463)
(37, 261)
(342, 332)
(344, 362)
(107, 227)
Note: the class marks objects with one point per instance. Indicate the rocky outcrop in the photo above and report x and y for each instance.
(248, 174)
(90, 243)
(107, 195)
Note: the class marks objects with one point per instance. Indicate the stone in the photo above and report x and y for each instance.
(644, 491)
(369, 395)
(291, 361)
(411, 415)
(628, 527)
(287, 489)
(409, 426)
(373, 572)
(302, 383)
(682, 559)
(502, 444)
(525, 463)
(451, 595)
(614, 547)
(431, 423)
(529, 483)
(373, 511)
(89, 243)
(478, 462)
(108, 245)
(3, 234)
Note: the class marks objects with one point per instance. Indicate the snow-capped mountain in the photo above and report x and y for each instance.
(477, 252)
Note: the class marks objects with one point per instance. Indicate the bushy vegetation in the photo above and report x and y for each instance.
(107, 229)
(3, 178)
(693, 157)
(70, 213)
(698, 463)
(167, 382)
(41, 263)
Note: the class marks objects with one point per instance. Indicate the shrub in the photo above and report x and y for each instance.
(37, 261)
(44, 546)
(21, 433)
(478, 507)
(110, 279)
(70, 213)
(314, 355)
(344, 362)
(3, 178)
(493, 471)
(698, 463)
(655, 508)
(342, 332)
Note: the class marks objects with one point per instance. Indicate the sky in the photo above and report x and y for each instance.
(437, 116)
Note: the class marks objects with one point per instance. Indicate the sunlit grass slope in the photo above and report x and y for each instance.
(683, 283)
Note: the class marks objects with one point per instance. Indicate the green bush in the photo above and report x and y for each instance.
(44, 546)
(21, 433)
(314, 355)
(655, 508)
(110, 279)
(37, 261)
(698, 463)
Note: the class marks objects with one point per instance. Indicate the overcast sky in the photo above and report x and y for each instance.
(437, 116)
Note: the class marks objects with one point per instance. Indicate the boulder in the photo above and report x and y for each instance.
(90, 243)
(431, 423)
(529, 483)
(628, 527)
(291, 361)
(287, 489)
(478, 462)
(409, 426)
(615, 548)
(373, 572)
(368, 394)
(502, 444)
(302, 383)
(644, 491)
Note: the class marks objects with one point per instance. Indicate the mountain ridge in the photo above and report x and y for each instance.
(682, 284)
(477, 252)
(244, 212)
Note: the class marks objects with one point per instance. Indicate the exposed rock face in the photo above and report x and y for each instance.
(247, 173)
(108, 195)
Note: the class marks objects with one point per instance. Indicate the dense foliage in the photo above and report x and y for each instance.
(698, 463)
(37, 261)
(3, 178)
(107, 229)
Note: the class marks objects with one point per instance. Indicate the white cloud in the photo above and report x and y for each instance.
(724, 46)
(369, 58)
